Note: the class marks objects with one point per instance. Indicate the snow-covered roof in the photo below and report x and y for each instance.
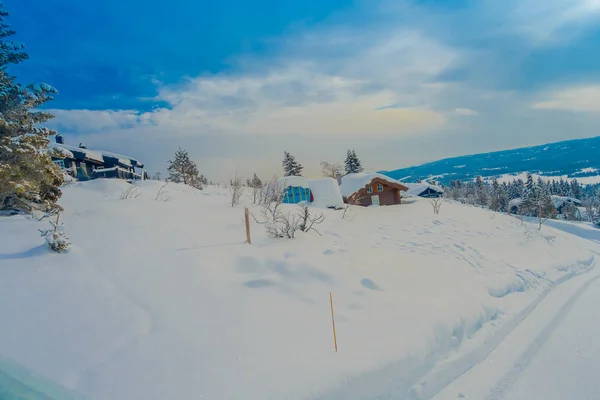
(62, 150)
(352, 183)
(415, 189)
(96, 155)
(130, 161)
(91, 154)
(560, 200)
(299, 181)
(326, 193)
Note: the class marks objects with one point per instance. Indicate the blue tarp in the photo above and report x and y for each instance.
(296, 194)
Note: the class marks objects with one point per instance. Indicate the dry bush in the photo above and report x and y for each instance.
(236, 188)
(162, 194)
(132, 192)
(436, 203)
(280, 224)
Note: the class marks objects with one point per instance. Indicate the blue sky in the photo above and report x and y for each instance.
(239, 81)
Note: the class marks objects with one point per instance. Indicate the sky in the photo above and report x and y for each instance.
(237, 82)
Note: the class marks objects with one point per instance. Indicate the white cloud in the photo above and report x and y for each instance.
(374, 87)
(95, 120)
(582, 99)
(465, 112)
(547, 21)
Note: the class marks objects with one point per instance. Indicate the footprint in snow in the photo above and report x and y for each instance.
(369, 284)
(258, 283)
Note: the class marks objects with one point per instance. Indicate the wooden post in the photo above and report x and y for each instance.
(333, 321)
(247, 218)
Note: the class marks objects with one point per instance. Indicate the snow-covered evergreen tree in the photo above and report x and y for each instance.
(56, 238)
(576, 189)
(26, 168)
(183, 170)
(503, 198)
(352, 163)
(545, 207)
(481, 194)
(290, 166)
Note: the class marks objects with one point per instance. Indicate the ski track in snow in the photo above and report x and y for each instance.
(402, 381)
(507, 382)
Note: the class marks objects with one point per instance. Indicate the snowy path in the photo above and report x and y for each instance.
(567, 365)
(540, 358)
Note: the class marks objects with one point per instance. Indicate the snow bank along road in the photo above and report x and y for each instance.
(549, 351)
(553, 354)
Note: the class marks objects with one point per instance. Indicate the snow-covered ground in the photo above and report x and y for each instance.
(161, 298)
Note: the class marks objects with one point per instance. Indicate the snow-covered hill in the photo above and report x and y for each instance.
(160, 298)
(568, 160)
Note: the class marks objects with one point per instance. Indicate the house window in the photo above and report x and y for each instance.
(369, 189)
(379, 187)
(60, 163)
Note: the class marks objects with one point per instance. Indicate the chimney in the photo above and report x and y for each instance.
(59, 139)
(82, 146)
(338, 176)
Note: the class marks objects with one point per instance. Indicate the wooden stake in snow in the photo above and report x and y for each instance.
(333, 321)
(247, 218)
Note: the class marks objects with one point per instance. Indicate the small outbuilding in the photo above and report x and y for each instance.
(296, 190)
(424, 189)
(371, 188)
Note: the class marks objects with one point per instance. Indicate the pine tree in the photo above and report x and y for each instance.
(183, 170)
(530, 185)
(290, 166)
(576, 189)
(503, 199)
(545, 207)
(352, 163)
(481, 192)
(495, 195)
(256, 182)
(26, 168)
(357, 164)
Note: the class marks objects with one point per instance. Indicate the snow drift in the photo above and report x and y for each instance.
(163, 299)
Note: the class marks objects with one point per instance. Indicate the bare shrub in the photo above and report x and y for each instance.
(331, 170)
(353, 201)
(236, 188)
(132, 192)
(436, 203)
(163, 194)
(272, 192)
(308, 220)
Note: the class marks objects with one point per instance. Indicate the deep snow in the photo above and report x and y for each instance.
(163, 299)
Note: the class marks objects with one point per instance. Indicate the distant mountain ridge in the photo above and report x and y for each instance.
(579, 158)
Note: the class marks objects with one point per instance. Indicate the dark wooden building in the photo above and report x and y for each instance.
(85, 164)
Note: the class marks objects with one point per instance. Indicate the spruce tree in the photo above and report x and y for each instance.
(183, 170)
(503, 198)
(481, 192)
(290, 166)
(576, 189)
(545, 207)
(27, 173)
(352, 164)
